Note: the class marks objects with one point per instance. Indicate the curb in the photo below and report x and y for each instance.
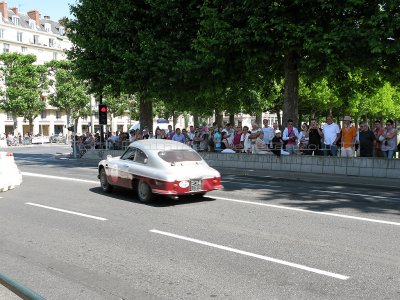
(392, 184)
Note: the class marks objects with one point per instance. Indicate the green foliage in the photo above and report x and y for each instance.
(201, 56)
(117, 104)
(70, 93)
(24, 83)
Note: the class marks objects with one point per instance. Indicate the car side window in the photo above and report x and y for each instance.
(129, 154)
(140, 157)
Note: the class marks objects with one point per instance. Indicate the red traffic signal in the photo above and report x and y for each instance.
(103, 114)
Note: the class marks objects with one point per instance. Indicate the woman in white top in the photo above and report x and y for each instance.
(389, 140)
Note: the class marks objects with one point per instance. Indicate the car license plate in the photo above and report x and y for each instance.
(195, 185)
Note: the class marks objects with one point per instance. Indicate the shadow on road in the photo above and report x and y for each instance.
(159, 201)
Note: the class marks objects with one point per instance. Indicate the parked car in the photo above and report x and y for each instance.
(159, 167)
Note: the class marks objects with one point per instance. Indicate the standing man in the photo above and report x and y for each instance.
(378, 131)
(178, 136)
(230, 133)
(269, 133)
(349, 134)
(331, 132)
(191, 133)
(290, 136)
(366, 139)
(170, 133)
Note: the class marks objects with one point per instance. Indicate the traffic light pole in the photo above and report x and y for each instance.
(102, 144)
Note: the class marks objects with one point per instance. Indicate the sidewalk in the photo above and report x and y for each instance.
(356, 181)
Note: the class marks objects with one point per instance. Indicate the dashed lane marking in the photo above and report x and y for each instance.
(308, 211)
(266, 258)
(58, 177)
(67, 211)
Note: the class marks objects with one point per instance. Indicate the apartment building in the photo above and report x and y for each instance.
(30, 33)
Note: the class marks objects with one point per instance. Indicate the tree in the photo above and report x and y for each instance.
(24, 84)
(70, 93)
(116, 104)
(301, 38)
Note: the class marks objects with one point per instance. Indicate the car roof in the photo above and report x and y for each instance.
(156, 145)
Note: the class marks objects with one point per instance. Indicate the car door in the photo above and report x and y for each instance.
(124, 165)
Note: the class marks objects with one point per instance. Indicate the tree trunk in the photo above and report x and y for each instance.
(291, 95)
(219, 118)
(174, 120)
(196, 120)
(232, 119)
(31, 126)
(259, 119)
(146, 113)
(15, 125)
(300, 121)
(278, 117)
(68, 121)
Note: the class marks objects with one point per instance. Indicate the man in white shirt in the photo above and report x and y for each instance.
(230, 133)
(331, 132)
(244, 139)
(132, 136)
(269, 132)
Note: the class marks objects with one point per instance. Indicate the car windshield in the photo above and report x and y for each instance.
(173, 156)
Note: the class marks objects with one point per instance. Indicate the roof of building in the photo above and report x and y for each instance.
(24, 23)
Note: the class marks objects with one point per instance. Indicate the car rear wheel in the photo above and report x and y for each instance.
(144, 192)
(105, 186)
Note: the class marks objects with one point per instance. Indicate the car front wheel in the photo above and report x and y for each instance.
(144, 192)
(105, 186)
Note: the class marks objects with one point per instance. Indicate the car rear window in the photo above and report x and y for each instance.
(173, 156)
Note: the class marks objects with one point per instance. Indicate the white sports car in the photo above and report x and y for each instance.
(159, 167)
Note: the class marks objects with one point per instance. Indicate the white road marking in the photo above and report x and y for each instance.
(67, 211)
(309, 211)
(252, 184)
(352, 194)
(58, 177)
(271, 259)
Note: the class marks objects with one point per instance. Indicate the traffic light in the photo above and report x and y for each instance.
(103, 114)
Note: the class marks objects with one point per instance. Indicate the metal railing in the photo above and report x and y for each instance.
(18, 289)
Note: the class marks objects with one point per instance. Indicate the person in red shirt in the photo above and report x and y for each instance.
(378, 131)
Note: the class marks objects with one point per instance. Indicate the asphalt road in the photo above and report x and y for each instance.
(62, 237)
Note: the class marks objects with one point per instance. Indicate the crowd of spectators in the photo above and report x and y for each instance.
(328, 139)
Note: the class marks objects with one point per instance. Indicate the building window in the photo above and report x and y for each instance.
(51, 43)
(6, 48)
(47, 27)
(58, 115)
(24, 49)
(55, 55)
(61, 30)
(19, 36)
(32, 24)
(43, 114)
(1, 33)
(36, 39)
(15, 20)
(9, 116)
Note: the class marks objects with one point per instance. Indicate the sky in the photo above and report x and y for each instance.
(56, 9)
